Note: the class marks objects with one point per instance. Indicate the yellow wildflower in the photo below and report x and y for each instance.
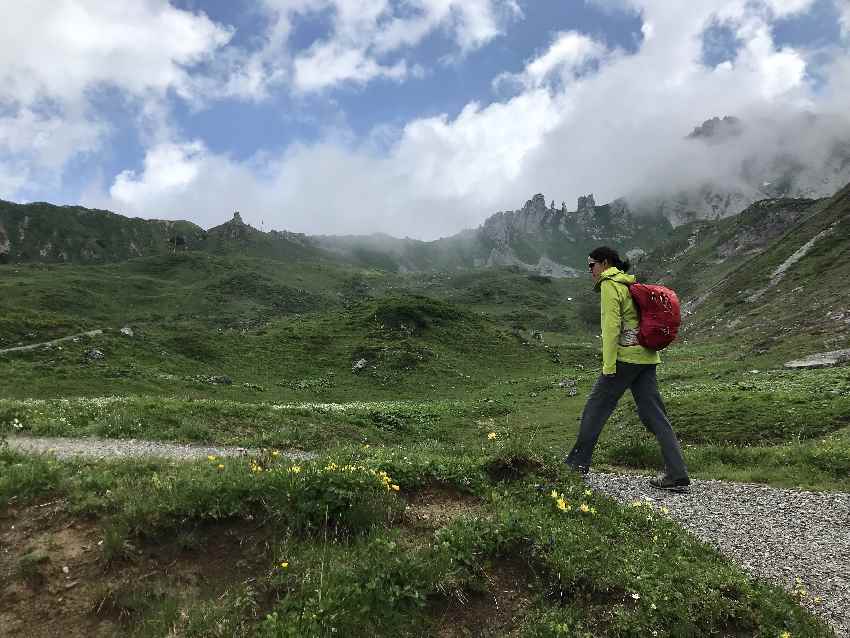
(584, 507)
(492, 436)
(220, 466)
(395, 487)
(212, 457)
(275, 453)
(563, 505)
(593, 511)
(284, 565)
(588, 493)
(554, 493)
(785, 634)
(636, 503)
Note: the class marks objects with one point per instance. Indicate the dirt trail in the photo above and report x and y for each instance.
(53, 342)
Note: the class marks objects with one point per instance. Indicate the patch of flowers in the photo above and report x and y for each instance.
(563, 505)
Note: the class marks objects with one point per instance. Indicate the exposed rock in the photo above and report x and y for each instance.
(570, 386)
(127, 331)
(821, 360)
(5, 245)
(586, 204)
(550, 268)
(716, 130)
(358, 365)
(94, 355)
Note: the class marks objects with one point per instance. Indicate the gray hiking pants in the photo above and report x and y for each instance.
(606, 392)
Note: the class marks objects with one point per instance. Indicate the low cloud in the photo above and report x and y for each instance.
(432, 183)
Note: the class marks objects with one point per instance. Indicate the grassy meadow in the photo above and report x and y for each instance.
(436, 504)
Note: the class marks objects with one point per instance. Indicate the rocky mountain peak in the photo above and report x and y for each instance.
(717, 129)
(586, 204)
(536, 204)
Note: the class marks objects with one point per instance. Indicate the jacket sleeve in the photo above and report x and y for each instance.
(611, 321)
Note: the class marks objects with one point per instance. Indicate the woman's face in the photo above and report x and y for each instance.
(596, 268)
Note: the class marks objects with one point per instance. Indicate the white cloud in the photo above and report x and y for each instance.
(363, 34)
(616, 129)
(49, 140)
(843, 7)
(569, 54)
(584, 119)
(326, 65)
(135, 45)
(169, 168)
(786, 8)
(436, 175)
(55, 55)
(776, 71)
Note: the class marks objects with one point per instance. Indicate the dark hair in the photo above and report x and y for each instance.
(603, 253)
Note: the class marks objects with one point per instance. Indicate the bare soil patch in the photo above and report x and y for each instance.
(54, 580)
(497, 612)
(437, 506)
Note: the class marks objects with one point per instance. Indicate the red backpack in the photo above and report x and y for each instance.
(658, 314)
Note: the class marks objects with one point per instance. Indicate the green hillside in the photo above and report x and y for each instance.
(772, 278)
(439, 406)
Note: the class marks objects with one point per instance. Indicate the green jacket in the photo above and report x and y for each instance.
(619, 319)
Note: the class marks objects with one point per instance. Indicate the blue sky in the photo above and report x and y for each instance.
(413, 117)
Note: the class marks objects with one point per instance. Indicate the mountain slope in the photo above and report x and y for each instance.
(538, 238)
(774, 278)
(46, 233)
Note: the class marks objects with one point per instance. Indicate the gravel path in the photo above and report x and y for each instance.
(775, 534)
(112, 448)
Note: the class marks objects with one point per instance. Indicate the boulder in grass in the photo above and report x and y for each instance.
(821, 360)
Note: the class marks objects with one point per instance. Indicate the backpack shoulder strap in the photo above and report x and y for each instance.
(615, 281)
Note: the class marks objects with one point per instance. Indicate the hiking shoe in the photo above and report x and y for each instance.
(664, 482)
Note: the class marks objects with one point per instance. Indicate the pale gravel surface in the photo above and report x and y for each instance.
(777, 535)
(117, 448)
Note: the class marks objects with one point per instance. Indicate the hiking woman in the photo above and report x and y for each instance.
(625, 365)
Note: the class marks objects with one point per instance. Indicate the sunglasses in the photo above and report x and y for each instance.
(591, 264)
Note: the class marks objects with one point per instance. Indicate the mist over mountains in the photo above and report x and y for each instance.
(735, 162)
(729, 163)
